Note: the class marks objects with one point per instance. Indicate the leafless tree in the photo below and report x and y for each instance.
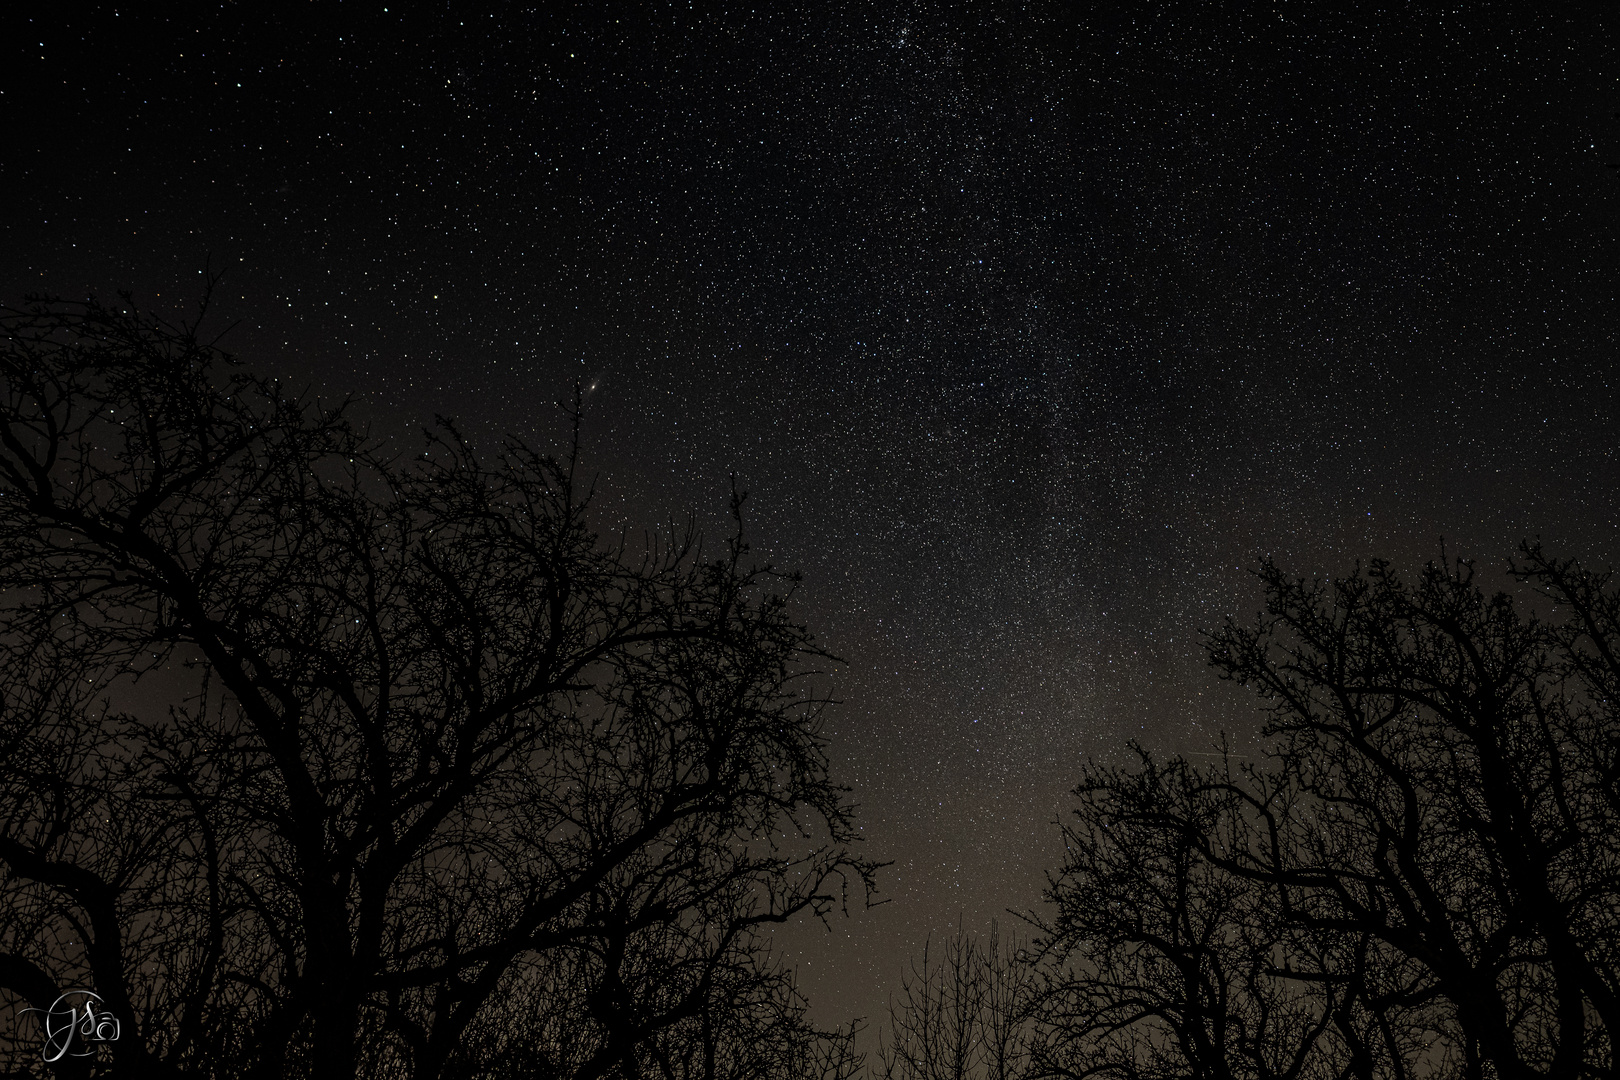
(1443, 783)
(435, 756)
(1418, 876)
(961, 1014)
(1161, 962)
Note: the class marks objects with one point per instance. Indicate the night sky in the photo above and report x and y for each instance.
(1029, 329)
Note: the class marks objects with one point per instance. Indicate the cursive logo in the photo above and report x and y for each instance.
(75, 1024)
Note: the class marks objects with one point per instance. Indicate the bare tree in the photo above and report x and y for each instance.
(962, 1016)
(1442, 784)
(440, 752)
(1160, 962)
(1419, 876)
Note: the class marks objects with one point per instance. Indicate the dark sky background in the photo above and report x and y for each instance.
(1029, 328)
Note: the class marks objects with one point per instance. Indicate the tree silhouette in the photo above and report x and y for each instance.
(443, 778)
(1421, 876)
(1417, 876)
(1444, 783)
(1159, 963)
(961, 1014)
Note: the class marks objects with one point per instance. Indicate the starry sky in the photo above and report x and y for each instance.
(1029, 328)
